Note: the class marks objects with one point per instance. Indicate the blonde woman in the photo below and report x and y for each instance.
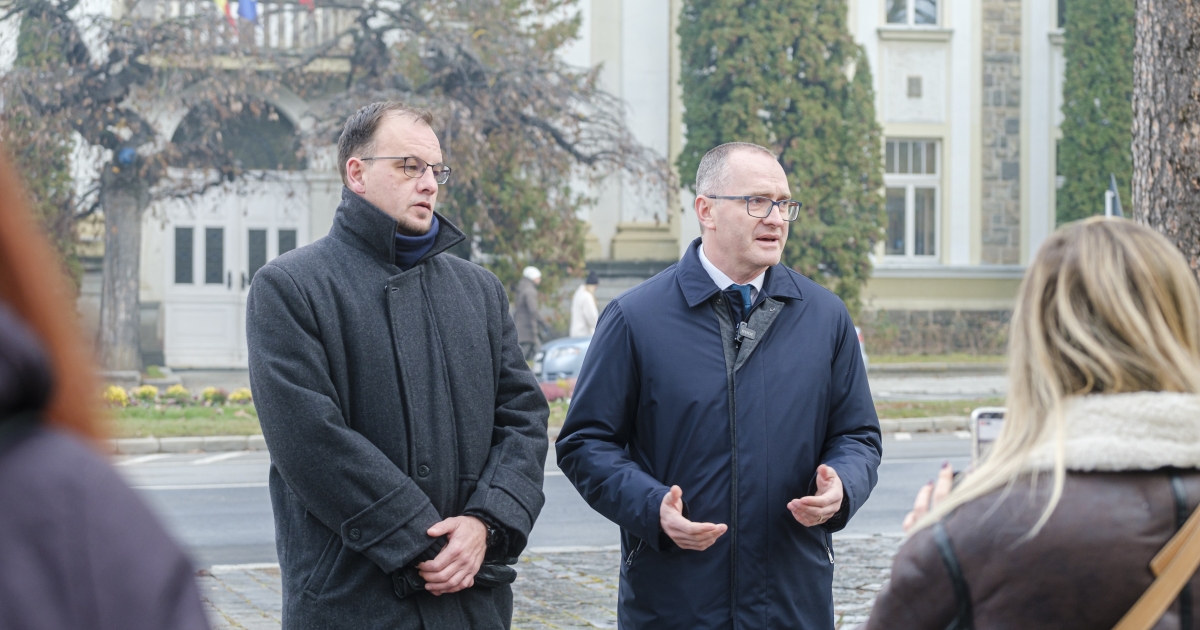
(1097, 465)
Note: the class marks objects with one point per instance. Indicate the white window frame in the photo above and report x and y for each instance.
(911, 15)
(910, 183)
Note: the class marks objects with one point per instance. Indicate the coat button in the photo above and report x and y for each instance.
(355, 534)
(422, 471)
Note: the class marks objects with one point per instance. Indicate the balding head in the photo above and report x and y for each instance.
(712, 177)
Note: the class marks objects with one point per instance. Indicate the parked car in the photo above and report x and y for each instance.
(559, 361)
(557, 364)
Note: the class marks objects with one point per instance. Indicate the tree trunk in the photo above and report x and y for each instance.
(1166, 122)
(119, 339)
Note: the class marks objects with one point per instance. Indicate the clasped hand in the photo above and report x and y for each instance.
(455, 566)
(808, 511)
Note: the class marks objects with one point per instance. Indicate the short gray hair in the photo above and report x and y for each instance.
(713, 174)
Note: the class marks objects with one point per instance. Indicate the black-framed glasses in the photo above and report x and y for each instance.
(415, 167)
(760, 207)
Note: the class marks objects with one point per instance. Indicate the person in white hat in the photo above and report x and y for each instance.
(527, 313)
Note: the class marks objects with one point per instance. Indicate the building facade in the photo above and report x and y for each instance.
(967, 95)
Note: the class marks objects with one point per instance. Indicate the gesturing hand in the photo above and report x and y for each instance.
(686, 534)
(930, 495)
(817, 509)
(455, 566)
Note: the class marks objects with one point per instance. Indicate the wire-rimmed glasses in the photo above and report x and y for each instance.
(415, 167)
(760, 207)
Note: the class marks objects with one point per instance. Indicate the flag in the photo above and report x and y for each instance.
(311, 4)
(248, 9)
(223, 7)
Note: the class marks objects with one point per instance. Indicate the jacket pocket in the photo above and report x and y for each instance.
(315, 584)
(633, 553)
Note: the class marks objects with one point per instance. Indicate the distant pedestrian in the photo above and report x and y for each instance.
(583, 307)
(78, 547)
(722, 418)
(1098, 463)
(528, 313)
(407, 434)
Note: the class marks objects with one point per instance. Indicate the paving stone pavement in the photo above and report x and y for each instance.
(555, 590)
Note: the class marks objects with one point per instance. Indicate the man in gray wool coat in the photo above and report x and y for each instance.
(407, 435)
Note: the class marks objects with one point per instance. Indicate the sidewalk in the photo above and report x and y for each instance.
(556, 589)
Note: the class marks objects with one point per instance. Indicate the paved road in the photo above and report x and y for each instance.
(945, 386)
(218, 505)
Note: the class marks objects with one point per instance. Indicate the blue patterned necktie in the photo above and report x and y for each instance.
(744, 290)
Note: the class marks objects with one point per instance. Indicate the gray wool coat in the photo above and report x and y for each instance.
(389, 401)
(526, 312)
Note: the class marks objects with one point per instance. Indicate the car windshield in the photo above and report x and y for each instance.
(563, 360)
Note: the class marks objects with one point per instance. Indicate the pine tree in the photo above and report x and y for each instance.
(1097, 122)
(787, 75)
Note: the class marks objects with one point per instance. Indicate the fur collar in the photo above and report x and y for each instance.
(1116, 432)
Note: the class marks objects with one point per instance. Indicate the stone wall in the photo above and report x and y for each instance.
(935, 332)
(1001, 126)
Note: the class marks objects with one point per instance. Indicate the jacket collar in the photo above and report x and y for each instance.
(1117, 432)
(698, 286)
(359, 223)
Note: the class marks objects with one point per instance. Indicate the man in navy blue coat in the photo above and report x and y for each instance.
(722, 418)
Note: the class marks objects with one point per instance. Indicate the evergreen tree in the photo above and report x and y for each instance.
(787, 75)
(1097, 107)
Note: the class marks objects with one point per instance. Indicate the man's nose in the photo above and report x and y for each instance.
(427, 182)
(775, 217)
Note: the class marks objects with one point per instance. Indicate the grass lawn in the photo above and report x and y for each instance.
(932, 408)
(959, 357)
(558, 413)
(168, 421)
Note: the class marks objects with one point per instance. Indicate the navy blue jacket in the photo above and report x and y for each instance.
(653, 408)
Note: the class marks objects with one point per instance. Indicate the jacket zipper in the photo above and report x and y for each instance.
(636, 550)
(733, 456)
(828, 550)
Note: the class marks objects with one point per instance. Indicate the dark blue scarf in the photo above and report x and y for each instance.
(410, 249)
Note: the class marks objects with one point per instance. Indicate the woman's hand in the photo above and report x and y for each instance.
(930, 495)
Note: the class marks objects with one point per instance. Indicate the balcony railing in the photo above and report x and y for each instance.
(281, 26)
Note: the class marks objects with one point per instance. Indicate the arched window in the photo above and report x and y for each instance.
(255, 138)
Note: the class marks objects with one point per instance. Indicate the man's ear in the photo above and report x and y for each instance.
(704, 213)
(354, 175)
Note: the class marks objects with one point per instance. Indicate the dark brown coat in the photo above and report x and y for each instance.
(1090, 562)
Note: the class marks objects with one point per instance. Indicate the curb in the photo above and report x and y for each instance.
(226, 443)
(209, 444)
(937, 368)
(925, 425)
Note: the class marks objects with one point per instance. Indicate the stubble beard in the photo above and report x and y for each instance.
(410, 227)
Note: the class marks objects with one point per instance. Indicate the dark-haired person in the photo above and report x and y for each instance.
(78, 548)
(722, 419)
(407, 434)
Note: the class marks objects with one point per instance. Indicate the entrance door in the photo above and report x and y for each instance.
(213, 248)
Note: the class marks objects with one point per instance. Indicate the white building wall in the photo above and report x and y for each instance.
(645, 85)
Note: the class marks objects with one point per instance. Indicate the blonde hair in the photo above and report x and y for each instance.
(1106, 307)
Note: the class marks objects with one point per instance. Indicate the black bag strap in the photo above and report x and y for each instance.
(964, 617)
(1181, 516)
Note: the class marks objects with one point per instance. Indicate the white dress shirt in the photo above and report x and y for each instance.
(723, 281)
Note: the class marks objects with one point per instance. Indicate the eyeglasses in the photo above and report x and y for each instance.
(760, 207)
(415, 167)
